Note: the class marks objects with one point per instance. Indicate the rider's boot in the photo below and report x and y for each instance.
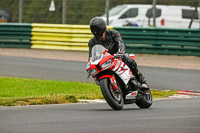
(133, 66)
(140, 78)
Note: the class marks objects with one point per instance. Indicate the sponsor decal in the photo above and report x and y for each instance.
(132, 95)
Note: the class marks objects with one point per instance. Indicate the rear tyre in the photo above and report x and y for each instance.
(113, 98)
(145, 100)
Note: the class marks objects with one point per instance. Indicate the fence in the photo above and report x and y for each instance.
(15, 35)
(161, 40)
(45, 36)
(76, 37)
(61, 37)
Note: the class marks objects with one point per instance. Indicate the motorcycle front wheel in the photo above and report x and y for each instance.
(114, 98)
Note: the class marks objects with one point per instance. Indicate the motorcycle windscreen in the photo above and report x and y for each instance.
(97, 51)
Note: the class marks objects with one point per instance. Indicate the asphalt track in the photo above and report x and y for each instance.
(157, 77)
(165, 116)
(168, 116)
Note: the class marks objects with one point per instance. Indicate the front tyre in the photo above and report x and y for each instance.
(113, 98)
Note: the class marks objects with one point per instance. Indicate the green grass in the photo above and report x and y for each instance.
(163, 93)
(20, 91)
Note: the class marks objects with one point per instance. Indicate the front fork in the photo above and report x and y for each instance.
(112, 81)
(131, 91)
(132, 85)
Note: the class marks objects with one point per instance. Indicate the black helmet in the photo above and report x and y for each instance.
(97, 26)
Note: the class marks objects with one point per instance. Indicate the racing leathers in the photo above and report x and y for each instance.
(113, 42)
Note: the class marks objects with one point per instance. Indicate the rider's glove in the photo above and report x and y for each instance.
(120, 51)
(121, 47)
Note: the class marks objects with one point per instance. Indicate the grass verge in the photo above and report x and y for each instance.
(21, 91)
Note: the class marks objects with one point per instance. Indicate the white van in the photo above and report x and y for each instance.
(141, 16)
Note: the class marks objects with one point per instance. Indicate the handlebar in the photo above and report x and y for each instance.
(118, 56)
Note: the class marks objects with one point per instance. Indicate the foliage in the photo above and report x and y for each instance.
(78, 11)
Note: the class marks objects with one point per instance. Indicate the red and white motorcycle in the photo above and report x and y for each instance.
(117, 82)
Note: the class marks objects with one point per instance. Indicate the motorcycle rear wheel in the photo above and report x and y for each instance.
(146, 100)
(113, 98)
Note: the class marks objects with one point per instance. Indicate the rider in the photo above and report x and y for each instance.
(112, 41)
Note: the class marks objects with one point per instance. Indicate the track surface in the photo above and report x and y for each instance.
(168, 116)
(157, 77)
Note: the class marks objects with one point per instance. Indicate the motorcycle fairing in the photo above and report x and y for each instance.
(123, 71)
(97, 60)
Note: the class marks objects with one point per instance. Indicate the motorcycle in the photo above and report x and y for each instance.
(117, 82)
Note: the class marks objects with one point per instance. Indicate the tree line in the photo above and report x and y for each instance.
(77, 12)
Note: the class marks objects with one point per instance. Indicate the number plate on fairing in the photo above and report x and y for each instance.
(132, 95)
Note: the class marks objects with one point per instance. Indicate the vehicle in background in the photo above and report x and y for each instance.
(5, 16)
(141, 16)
